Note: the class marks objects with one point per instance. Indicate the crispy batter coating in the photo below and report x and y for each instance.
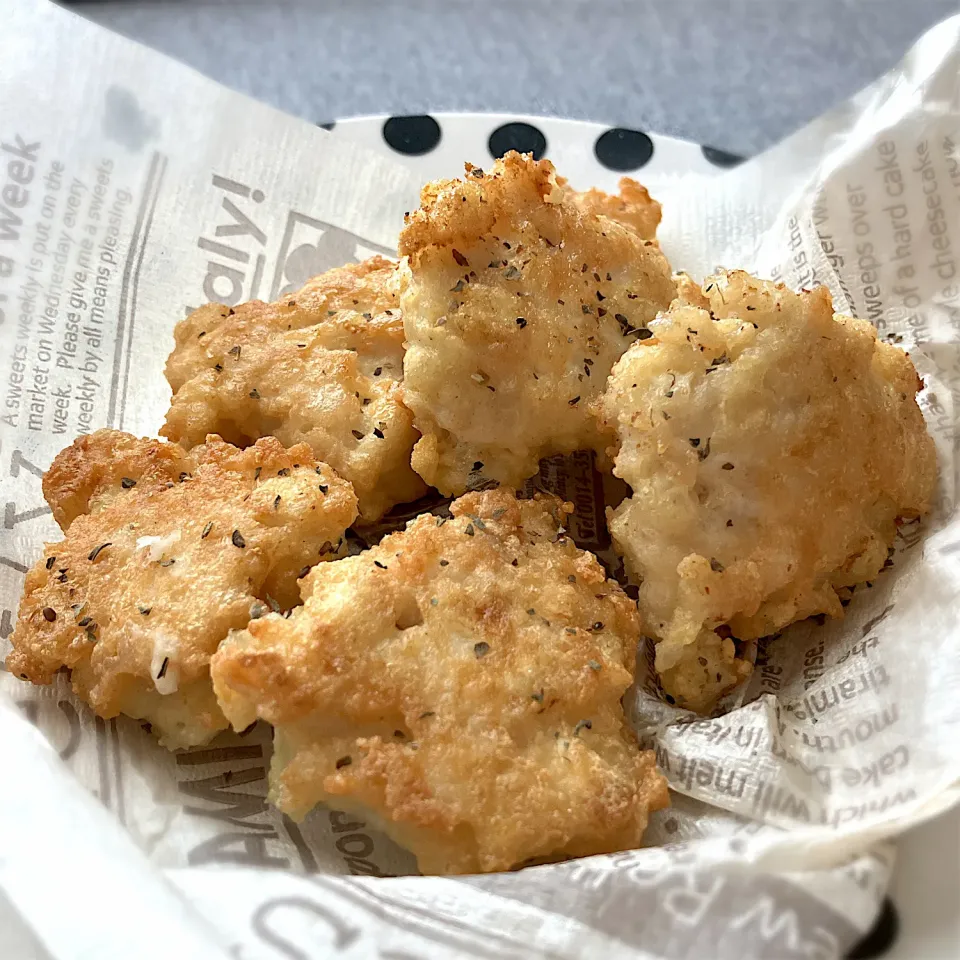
(165, 553)
(772, 448)
(462, 682)
(517, 301)
(633, 207)
(322, 366)
(95, 470)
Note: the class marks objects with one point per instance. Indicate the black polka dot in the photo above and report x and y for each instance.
(720, 158)
(622, 149)
(522, 137)
(881, 938)
(413, 136)
(327, 126)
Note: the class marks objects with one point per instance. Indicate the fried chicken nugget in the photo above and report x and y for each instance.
(321, 366)
(772, 449)
(462, 682)
(164, 553)
(517, 301)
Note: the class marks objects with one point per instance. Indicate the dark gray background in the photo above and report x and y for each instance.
(735, 74)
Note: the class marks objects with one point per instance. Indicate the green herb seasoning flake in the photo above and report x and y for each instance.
(127, 483)
(594, 665)
(50, 562)
(582, 725)
(481, 649)
(96, 551)
(237, 539)
(254, 394)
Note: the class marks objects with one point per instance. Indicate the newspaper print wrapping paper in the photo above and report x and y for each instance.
(132, 190)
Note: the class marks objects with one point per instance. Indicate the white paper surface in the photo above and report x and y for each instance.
(132, 189)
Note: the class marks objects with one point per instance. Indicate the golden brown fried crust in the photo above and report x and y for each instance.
(461, 681)
(517, 300)
(633, 207)
(772, 449)
(321, 366)
(150, 580)
(94, 470)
